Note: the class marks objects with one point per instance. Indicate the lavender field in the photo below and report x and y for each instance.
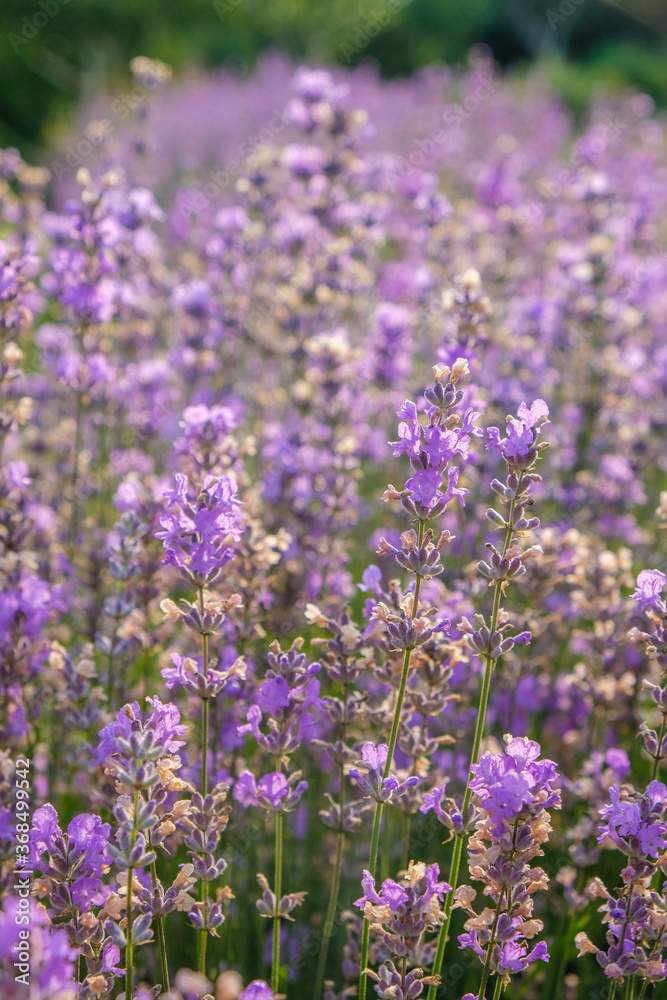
(333, 488)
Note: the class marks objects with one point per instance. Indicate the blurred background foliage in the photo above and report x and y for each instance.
(53, 53)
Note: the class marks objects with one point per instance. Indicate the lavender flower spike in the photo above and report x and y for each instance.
(373, 783)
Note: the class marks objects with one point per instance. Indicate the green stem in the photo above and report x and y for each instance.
(330, 918)
(474, 757)
(405, 841)
(204, 740)
(372, 862)
(128, 909)
(393, 738)
(75, 473)
(455, 864)
(275, 964)
(407, 817)
(499, 989)
(624, 931)
(385, 849)
(656, 759)
(103, 464)
(458, 843)
(642, 992)
(377, 819)
(489, 949)
(203, 890)
(110, 665)
(161, 941)
(203, 887)
(565, 938)
(144, 673)
(630, 988)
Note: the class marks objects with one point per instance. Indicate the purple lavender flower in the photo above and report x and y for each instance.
(391, 894)
(274, 791)
(196, 532)
(650, 585)
(373, 783)
(84, 849)
(48, 961)
(189, 674)
(430, 448)
(510, 782)
(403, 912)
(446, 809)
(515, 789)
(520, 444)
(258, 989)
(160, 729)
(636, 824)
(396, 896)
(285, 701)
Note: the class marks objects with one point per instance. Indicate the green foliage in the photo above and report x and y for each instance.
(613, 68)
(53, 53)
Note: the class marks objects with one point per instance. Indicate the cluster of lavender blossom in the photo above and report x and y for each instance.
(244, 676)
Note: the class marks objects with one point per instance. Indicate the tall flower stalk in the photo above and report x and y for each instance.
(515, 789)
(71, 864)
(278, 882)
(430, 448)
(401, 913)
(285, 698)
(520, 450)
(139, 754)
(344, 657)
(636, 824)
(196, 533)
(203, 888)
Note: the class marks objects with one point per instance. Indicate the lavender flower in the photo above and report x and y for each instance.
(191, 675)
(286, 697)
(515, 789)
(650, 585)
(151, 739)
(258, 989)
(402, 912)
(76, 860)
(48, 961)
(636, 827)
(519, 448)
(141, 756)
(634, 823)
(196, 532)
(431, 448)
(272, 791)
(373, 784)
(446, 809)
